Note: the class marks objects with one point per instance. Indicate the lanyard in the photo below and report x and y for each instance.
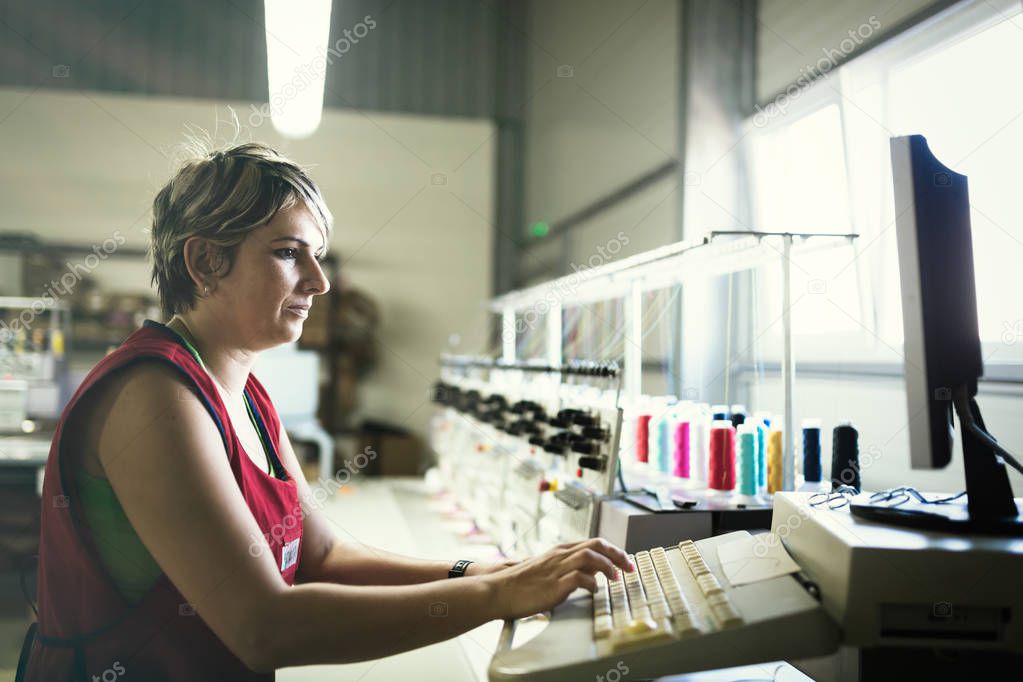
(245, 398)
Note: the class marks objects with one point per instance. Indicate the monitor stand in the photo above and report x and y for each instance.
(990, 508)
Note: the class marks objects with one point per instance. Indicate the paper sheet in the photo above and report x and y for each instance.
(756, 558)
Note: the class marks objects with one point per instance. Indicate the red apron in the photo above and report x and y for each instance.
(85, 628)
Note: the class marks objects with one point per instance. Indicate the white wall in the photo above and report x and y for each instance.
(80, 166)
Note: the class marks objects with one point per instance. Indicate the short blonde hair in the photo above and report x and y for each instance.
(223, 196)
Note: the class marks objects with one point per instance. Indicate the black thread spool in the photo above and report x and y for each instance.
(812, 451)
(845, 457)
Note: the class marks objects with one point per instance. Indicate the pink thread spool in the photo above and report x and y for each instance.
(681, 450)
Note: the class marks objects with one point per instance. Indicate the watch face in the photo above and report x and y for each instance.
(459, 568)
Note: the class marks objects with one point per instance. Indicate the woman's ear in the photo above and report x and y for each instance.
(205, 262)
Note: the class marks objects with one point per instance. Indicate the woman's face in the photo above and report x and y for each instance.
(272, 282)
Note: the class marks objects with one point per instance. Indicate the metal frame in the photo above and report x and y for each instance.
(719, 253)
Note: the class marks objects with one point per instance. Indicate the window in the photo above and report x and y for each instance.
(824, 166)
(801, 179)
(801, 185)
(967, 101)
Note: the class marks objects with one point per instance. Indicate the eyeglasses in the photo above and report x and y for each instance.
(899, 496)
(836, 499)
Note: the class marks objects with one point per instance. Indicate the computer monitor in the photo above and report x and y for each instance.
(942, 349)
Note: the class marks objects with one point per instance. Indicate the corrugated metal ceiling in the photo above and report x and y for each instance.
(426, 57)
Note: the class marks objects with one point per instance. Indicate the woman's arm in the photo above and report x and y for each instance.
(328, 557)
(165, 460)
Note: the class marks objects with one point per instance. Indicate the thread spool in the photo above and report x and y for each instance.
(653, 442)
(681, 452)
(627, 437)
(761, 427)
(845, 456)
(719, 413)
(811, 450)
(721, 462)
(664, 449)
(774, 461)
(746, 459)
(643, 438)
(738, 415)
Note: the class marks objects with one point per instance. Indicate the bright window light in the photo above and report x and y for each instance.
(800, 184)
(973, 124)
(296, 59)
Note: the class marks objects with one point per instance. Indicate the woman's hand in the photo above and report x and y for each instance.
(542, 582)
(486, 568)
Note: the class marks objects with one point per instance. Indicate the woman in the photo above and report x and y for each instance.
(170, 477)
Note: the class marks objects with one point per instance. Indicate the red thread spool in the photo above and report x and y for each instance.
(681, 450)
(643, 438)
(721, 467)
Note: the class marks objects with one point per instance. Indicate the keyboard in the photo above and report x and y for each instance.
(676, 613)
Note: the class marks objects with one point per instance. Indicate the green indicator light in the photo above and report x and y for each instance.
(540, 229)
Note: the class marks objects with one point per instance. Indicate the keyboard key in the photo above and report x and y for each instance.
(726, 615)
(602, 627)
(685, 625)
(709, 584)
(648, 577)
(638, 633)
(601, 598)
(669, 583)
(642, 614)
(619, 603)
(699, 567)
(677, 603)
(634, 589)
(718, 598)
(659, 610)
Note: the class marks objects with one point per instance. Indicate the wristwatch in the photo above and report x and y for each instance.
(458, 570)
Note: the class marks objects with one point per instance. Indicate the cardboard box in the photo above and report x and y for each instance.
(399, 455)
(398, 452)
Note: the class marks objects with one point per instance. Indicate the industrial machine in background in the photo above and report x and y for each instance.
(846, 584)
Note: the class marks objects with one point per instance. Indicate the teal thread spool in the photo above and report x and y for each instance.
(747, 459)
(665, 444)
(763, 424)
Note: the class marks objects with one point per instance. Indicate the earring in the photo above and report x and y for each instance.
(205, 290)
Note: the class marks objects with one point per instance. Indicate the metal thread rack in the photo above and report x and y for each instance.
(579, 368)
(719, 253)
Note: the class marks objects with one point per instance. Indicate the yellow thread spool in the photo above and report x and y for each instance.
(774, 455)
